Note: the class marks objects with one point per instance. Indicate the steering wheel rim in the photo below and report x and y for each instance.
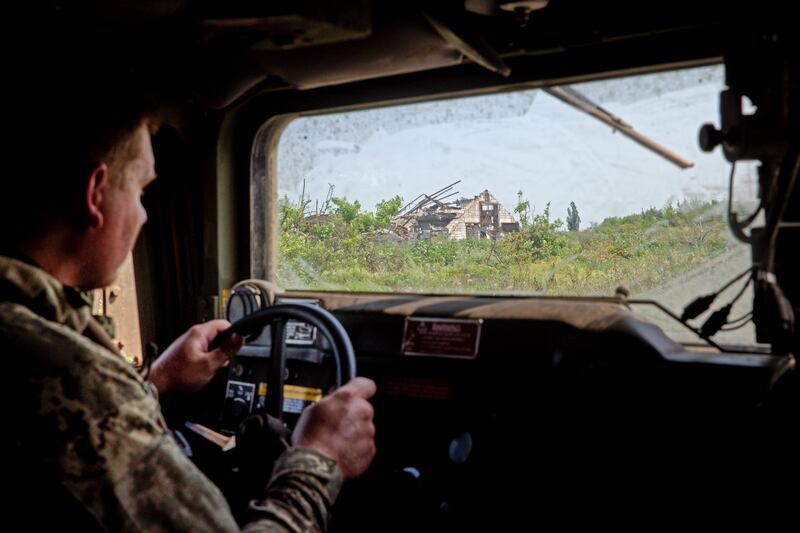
(277, 316)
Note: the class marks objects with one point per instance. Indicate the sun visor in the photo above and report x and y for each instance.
(397, 47)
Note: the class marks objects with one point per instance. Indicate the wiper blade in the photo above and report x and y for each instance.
(581, 102)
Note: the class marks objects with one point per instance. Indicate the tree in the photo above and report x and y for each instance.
(523, 210)
(573, 218)
(385, 210)
(348, 211)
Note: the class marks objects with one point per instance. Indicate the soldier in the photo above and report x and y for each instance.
(85, 443)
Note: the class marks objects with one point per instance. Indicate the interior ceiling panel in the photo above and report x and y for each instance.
(216, 52)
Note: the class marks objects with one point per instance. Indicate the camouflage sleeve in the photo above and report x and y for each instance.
(164, 491)
(300, 495)
(91, 425)
(96, 427)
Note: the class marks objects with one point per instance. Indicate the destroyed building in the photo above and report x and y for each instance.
(482, 216)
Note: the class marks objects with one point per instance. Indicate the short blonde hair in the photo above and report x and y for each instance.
(120, 154)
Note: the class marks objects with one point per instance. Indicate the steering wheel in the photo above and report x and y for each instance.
(277, 316)
(262, 437)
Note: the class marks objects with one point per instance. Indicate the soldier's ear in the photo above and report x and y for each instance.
(95, 188)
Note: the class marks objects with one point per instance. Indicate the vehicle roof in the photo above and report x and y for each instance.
(219, 53)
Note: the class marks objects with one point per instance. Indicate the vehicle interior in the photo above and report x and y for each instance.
(493, 406)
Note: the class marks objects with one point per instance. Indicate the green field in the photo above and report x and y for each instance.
(344, 248)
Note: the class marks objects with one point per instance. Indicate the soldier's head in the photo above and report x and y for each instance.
(82, 153)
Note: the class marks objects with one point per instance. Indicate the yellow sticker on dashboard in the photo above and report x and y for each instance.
(302, 393)
(295, 397)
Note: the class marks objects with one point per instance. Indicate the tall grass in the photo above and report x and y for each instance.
(353, 251)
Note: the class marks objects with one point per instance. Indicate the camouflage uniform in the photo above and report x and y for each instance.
(86, 444)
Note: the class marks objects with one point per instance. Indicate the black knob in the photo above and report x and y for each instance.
(710, 137)
(239, 408)
(251, 427)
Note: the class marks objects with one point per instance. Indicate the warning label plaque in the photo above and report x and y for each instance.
(442, 337)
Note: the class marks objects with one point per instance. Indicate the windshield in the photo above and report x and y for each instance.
(573, 190)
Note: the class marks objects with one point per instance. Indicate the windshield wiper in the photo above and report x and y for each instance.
(581, 102)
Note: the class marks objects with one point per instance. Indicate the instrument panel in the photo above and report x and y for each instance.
(309, 365)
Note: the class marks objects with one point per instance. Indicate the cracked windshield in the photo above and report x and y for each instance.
(573, 190)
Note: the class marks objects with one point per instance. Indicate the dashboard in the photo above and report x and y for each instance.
(513, 390)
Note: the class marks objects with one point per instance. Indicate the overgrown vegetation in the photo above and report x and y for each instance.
(343, 247)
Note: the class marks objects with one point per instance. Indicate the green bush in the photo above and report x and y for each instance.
(348, 249)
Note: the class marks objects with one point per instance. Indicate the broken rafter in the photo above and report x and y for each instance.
(427, 198)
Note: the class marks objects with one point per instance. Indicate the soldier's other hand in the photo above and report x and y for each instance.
(340, 427)
(187, 365)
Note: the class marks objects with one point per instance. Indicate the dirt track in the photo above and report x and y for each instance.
(678, 292)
